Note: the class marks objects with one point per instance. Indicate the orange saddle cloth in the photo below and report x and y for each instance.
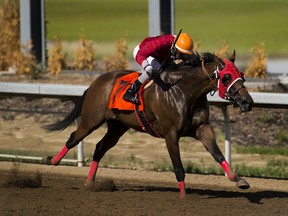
(119, 89)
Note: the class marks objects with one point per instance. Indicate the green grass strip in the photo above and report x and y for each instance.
(262, 150)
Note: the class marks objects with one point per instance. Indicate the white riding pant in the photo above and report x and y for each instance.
(151, 61)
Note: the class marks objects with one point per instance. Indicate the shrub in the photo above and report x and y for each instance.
(84, 55)
(19, 58)
(222, 52)
(24, 60)
(57, 58)
(119, 60)
(257, 67)
(9, 33)
(197, 45)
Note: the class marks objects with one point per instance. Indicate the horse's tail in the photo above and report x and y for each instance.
(69, 119)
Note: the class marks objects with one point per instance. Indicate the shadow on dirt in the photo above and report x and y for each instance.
(253, 197)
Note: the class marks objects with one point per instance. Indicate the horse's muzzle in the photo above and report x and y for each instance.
(242, 99)
(245, 106)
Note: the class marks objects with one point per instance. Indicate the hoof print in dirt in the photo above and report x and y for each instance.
(105, 185)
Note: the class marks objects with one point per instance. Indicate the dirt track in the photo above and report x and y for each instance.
(137, 193)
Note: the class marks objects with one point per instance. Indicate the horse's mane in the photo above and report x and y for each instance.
(194, 60)
(173, 73)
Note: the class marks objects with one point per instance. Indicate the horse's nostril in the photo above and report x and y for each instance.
(245, 102)
(246, 106)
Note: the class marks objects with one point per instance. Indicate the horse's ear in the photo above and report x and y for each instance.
(232, 57)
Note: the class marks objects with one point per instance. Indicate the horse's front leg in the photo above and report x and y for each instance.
(206, 135)
(172, 143)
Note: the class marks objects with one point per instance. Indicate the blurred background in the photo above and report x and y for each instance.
(239, 22)
(103, 27)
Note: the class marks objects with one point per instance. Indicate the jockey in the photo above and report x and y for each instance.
(152, 52)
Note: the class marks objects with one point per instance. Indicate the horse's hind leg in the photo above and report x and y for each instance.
(206, 135)
(115, 130)
(84, 129)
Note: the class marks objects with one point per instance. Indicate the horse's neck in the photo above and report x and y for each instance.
(193, 82)
(197, 77)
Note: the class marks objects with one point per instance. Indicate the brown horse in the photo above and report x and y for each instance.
(176, 105)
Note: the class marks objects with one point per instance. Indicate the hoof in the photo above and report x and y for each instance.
(89, 184)
(183, 194)
(242, 184)
(182, 189)
(47, 160)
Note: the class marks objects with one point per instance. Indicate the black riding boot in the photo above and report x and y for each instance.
(131, 93)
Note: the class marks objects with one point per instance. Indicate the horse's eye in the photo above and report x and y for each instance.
(226, 79)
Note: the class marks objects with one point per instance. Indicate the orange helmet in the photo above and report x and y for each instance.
(184, 44)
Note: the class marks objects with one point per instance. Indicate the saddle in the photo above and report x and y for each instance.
(117, 101)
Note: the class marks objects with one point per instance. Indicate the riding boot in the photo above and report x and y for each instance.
(131, 93)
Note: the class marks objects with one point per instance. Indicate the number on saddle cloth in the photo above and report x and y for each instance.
(119, 89)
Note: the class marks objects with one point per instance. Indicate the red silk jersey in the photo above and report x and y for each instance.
(158, 47)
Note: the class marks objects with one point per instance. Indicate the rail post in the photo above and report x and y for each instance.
(80, 152)
(227, 131)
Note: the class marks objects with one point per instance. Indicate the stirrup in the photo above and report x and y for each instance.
(133, 99)
(136, 100)
(129, 96)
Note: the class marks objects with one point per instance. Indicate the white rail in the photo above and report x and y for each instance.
(261, 99)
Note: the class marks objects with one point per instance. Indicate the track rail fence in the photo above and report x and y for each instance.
(70, 92)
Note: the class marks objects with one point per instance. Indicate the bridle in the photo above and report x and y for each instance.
(229, 94)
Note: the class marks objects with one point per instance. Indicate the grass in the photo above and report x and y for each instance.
(161, 166)
(269, 171)
(279, 163)
(101, 20)
(265, 117)
(281, 136)
(273, 169)
(133, 160)
(240, 22)
(262, 150)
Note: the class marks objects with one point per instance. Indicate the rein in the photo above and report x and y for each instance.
(204, 69)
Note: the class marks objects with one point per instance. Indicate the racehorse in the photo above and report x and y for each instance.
(175, 105)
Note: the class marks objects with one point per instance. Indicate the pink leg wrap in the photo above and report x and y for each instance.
(56, 159)
(182, 189)
(227, 169)
(92, 172)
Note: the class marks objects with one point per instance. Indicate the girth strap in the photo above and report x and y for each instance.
(144, 123)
